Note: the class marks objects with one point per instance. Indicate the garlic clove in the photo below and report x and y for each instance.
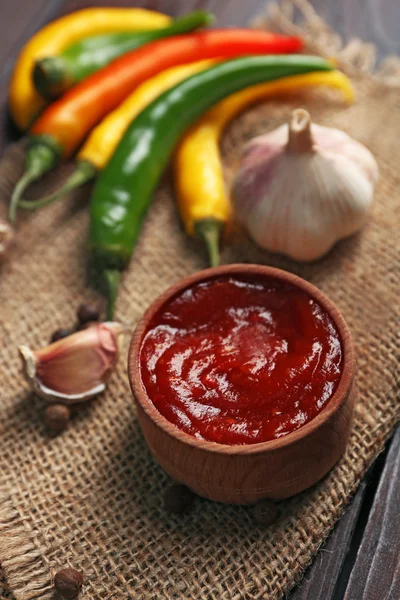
(76, 367)
(303, 187)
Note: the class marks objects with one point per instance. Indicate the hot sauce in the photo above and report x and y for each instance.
(241, 360)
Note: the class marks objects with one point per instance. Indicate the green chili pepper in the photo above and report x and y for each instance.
(54, 75)
(123, 191)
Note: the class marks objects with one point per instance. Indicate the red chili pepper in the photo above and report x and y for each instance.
(62, 127)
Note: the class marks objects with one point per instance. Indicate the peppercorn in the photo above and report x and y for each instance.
(57, 416)
(68, 583)
(87, 313)
(178, 499)
(265, 512)
(59, 334)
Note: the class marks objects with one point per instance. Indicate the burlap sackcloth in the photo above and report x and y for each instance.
(92, 497)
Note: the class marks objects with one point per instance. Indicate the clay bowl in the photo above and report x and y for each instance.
(244, 474)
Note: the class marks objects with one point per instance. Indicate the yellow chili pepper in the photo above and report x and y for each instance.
(103, 140)
(199, 180)
(25, 102)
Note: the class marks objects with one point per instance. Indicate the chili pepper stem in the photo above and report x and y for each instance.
(42, 154)
(112, 278)
(49, 69)
(27, 178)
(209, 231)
(84, 173)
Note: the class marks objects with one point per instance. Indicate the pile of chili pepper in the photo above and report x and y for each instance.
(129, 84)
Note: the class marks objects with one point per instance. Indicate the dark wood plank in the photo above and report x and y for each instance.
(375, 21)
(376, 572)
(228, 12)
(320, 579)
(18, 22)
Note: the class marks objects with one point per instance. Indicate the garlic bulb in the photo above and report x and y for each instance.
(303, 187)
(76, 367)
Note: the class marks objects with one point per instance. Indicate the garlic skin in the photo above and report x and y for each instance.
(303, 187)
(76, 367)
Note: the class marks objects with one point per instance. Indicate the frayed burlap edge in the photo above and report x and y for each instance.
(21, 556)
(21, 560)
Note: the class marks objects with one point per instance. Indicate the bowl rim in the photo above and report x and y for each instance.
(337, 400)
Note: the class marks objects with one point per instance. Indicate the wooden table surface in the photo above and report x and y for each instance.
(361, 559)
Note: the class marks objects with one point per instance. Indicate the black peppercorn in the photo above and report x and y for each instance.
(68, 583)
(87, 313)
(56, 417)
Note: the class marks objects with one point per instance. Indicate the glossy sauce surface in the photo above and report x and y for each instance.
(241, 361)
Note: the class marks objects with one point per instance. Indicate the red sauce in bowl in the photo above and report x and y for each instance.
(241, 360)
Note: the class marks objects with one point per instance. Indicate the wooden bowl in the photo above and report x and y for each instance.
(244, 474)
